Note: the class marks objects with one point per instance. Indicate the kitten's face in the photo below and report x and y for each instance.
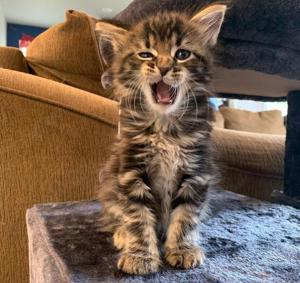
(163, 60)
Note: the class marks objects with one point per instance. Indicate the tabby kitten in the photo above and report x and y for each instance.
(154, 188)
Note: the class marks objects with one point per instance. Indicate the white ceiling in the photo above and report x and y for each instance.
(46, 13)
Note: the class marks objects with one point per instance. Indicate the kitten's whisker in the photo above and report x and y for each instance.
(186, 104)
(202, 88)
(195, 100)
(134, 98)
(174, 91)
(132, 87)
(209, 94)
(141, 98)
(188, 98)
(136, 87)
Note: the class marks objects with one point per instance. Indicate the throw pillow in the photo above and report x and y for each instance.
(68, 53)
(267, 122)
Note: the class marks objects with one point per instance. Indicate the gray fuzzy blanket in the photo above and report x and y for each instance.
(261, 35)
(245, 240)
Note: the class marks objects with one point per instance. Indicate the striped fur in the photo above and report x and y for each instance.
(154, 187)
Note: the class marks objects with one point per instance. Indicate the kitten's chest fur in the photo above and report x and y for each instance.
(164, 167)
(164, 163)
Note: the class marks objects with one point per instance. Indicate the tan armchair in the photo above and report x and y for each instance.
(53, 140)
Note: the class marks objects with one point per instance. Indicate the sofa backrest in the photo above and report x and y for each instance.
(68, 53)
(264, 122)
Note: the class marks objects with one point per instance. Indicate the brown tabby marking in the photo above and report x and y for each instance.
(154, 187)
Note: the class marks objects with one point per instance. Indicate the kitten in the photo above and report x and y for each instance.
(155, 185)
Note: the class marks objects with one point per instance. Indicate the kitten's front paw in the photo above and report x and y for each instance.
(138, 264)
(185, 258)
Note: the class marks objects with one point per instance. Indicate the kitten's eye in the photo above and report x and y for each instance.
(182, 54)
(145, 55)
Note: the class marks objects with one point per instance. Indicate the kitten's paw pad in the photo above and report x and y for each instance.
(185, 258)
(137, 264)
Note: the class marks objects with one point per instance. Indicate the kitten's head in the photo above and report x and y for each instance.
(161, 60)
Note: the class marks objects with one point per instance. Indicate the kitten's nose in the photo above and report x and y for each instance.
(163, 70)
(164, 64)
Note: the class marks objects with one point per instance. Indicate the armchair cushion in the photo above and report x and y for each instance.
(68, 53)
(257, 35)
(250, 163)
(54, 140)
(13, 59)
(265, 122)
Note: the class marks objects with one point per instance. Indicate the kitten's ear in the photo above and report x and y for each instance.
(107, 79)
(110, 38)
(210, 21)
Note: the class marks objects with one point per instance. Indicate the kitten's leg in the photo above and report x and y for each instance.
(137, 236)
(120, 238)
(181, 248)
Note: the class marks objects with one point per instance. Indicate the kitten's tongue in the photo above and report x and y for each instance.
(163, 92)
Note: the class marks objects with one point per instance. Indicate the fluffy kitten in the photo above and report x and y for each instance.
(154, 188)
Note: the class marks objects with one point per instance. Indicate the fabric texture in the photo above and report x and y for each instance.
(292, 157)
(245, 240)
(219, 120)
(256, 35)
(54, 140)
(265, 122)
(68, 53)
(13, 59)
(250, 163)
(260, 153)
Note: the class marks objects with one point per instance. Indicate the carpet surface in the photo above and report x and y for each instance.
(245, 240)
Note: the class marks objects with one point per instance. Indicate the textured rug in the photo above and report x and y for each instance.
(245, 240)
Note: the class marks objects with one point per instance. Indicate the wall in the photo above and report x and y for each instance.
(46, 13)
(2, 28)
(15, 32)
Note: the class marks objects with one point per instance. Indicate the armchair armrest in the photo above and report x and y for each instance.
(53, 141)
(59, 95)
(250, 163)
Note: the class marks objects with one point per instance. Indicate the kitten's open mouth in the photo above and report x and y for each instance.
(163, 93)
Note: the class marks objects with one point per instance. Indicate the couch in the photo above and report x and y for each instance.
(57, 125)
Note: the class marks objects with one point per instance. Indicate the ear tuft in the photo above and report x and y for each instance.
(110, 38)
(210, 21)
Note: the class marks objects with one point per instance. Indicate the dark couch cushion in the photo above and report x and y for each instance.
(273, 22)
(272, 26)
